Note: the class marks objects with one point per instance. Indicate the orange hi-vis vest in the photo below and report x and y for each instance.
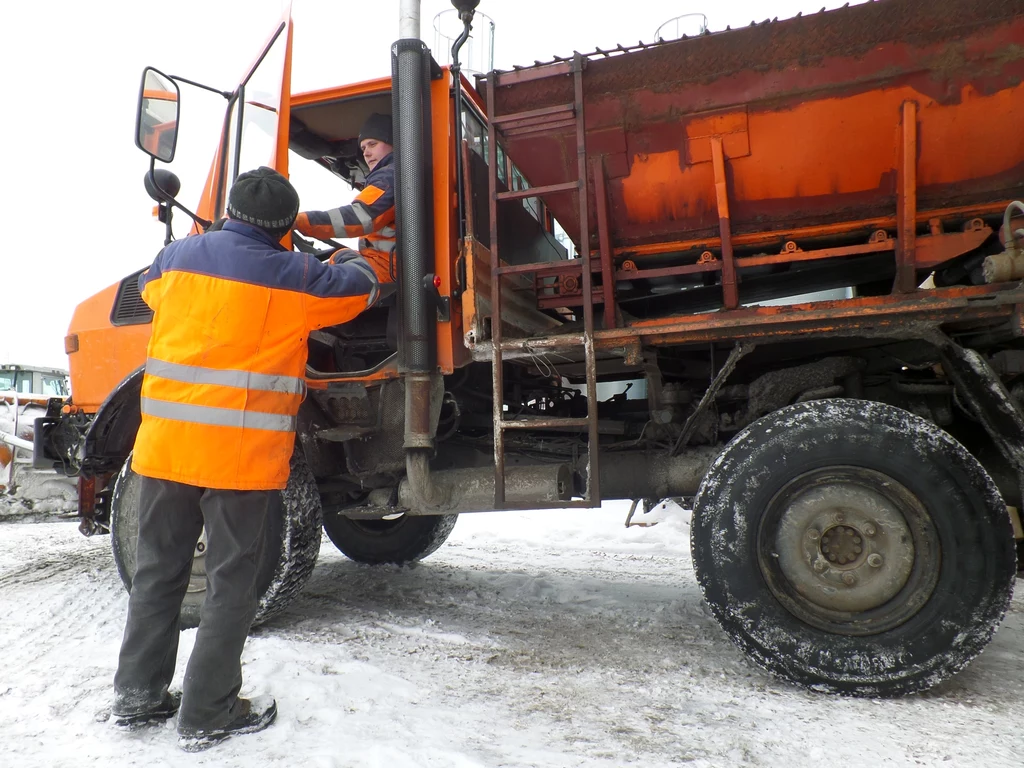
(224, 374)
(370, 217)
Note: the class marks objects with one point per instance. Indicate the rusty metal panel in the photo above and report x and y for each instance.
(808, 110)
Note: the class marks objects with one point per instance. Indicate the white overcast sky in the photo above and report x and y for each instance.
(74, 203)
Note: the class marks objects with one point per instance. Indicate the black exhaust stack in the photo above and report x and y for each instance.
(410, 96)
(411, 71)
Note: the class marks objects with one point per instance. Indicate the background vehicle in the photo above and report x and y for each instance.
(25, 392)
(851, 461)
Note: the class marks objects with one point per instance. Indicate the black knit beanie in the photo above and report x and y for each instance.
(377, 126)
(265, 199)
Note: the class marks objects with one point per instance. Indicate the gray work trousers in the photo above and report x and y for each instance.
(171, 519)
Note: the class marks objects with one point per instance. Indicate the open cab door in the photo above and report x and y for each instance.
(255, 130)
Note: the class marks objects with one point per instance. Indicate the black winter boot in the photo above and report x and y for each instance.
(254, 715)
(129, 714)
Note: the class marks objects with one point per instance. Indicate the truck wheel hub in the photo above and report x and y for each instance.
(844, 541)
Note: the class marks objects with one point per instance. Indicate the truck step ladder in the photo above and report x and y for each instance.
(540, 121)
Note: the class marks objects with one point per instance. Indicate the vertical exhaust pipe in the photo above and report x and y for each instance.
(410, 110)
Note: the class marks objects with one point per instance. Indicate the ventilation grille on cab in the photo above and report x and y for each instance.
(129, 308)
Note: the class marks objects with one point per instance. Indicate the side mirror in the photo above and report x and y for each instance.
(156, 125)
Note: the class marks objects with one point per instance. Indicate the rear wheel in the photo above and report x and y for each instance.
(401, 540)
(287, 555)
(853, 547)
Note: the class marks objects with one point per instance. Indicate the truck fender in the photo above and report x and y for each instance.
(112, 432)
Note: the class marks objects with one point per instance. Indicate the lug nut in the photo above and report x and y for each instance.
(832, 558)
(875, 560)
(857, 550)
(856, 539)
(849, 579)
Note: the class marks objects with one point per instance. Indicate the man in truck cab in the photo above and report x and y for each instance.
(371, 216)
(221, 392)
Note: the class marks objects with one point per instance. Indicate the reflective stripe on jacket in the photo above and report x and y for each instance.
(224, 374)
(370, 217)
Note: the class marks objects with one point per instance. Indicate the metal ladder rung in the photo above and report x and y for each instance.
(556, 112)
(542, 423)
(519, 194)
(571, 344)
(568, 266)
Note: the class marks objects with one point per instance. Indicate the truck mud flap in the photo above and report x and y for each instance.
(981, 388)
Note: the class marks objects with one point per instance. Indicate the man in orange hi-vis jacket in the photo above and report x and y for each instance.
(371, 216)
(221, 392)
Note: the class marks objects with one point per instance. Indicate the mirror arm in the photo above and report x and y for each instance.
(167, 202)
(225, 94)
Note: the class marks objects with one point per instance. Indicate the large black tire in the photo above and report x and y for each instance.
(286, 558)
(402, 540)
(852, 547)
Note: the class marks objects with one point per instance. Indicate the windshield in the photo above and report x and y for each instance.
(54, 386)
(34, 383)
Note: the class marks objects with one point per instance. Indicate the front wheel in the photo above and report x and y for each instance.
(286, 558)
(401, 540)
(852, 547)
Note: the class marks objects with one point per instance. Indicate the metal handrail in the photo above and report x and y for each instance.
(677, 21)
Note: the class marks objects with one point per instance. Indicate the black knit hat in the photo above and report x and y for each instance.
(265, 199)
(377, 126)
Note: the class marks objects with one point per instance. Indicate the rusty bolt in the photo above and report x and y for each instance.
(849, 578)
(875, 560)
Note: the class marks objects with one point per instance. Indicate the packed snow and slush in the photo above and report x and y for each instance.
(529, 639)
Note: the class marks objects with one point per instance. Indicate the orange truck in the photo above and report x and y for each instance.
(774, 271)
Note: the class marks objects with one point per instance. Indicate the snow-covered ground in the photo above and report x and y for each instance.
(534, 639)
